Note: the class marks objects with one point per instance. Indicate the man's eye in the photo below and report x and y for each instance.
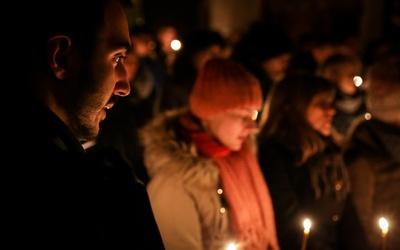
(119, 58)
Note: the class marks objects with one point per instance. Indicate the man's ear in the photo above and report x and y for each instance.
(58, 55)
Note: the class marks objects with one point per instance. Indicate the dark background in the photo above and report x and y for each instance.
(364, 19)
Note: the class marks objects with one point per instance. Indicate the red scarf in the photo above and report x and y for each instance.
(251, 211)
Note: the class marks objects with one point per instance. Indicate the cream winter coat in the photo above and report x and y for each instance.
(184, 189)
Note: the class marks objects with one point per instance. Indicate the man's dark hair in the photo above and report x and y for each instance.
(80, 20)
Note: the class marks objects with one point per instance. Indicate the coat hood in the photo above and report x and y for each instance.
(164, 152)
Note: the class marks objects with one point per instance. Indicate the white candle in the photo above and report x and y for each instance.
(307, 226)
(384, 225)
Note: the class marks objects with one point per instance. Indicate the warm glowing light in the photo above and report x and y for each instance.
(307, 226)
(384, 225)
(357, 81)
(231, 246)
(175, 44)
(368, 116)
(254, 115)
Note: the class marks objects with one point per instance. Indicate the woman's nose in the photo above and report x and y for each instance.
(251, 125)
(331, 110)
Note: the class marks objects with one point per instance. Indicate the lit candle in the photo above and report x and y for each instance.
(307, 226)
(231, 246)
(358, 81)
(384, 225)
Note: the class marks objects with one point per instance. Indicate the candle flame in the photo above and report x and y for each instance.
(307, 225)
(358, 81)
(384, 225)
(231, 246)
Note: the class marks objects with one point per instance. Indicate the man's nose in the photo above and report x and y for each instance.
(122, 87)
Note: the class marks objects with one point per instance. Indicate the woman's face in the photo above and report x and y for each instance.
(232, 128)
(320, 113)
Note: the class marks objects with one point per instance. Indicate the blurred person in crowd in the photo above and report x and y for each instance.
(265, 50)
(197, 48)
(311, 50)
(373, 155)
(54, 194)
(389, 40)
(145, 75)
(378, 48)
(152, 69)
(341, 70)
(206, 187)
(302, 163)
(164, 36)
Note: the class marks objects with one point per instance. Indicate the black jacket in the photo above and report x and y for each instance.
(295, 199)
(54, 194)
(373, 159)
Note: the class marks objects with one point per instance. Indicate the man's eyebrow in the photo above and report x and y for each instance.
(128, 47)
(124, 45)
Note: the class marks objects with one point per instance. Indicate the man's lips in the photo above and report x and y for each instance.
(105, 108)
(108, 106)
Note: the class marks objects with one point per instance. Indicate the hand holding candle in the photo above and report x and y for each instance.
(307, 226)
(384, 225)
